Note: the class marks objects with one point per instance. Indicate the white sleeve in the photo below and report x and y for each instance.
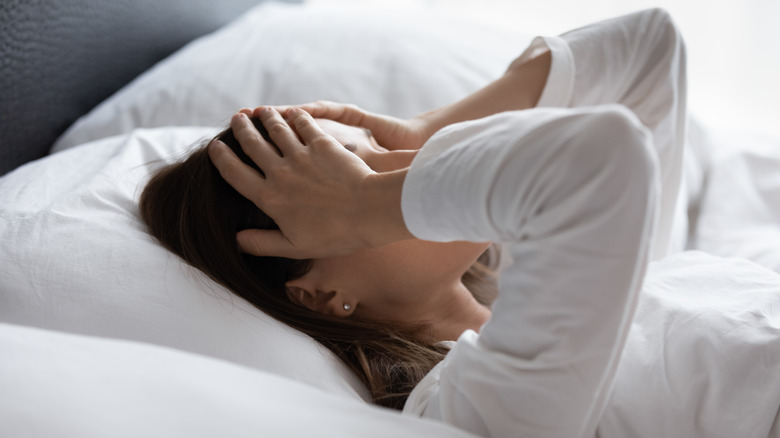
(573, 192)
(639, 61)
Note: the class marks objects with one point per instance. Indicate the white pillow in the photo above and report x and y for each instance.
(394, 61)
(62, 385)
(75, 256)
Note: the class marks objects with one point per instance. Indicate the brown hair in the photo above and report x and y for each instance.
(194, 213)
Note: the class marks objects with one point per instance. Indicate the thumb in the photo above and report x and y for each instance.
(347, 114)
(270, 243)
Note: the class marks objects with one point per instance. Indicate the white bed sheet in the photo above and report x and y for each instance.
(703, 354)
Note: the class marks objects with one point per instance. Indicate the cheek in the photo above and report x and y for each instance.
(401, 264)
(366, 269)
(346, 272)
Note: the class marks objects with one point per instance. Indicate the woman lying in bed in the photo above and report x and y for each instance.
(381, 252)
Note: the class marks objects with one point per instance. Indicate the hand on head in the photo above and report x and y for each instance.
(325, 199)
(391, 132)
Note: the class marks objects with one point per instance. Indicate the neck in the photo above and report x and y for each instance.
(457, 312)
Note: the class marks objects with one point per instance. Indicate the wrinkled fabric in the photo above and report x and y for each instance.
(585, 191)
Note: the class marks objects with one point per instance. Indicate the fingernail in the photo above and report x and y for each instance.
(216, 142)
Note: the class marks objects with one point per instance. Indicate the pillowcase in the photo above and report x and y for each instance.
(393, 61)
(77, 258)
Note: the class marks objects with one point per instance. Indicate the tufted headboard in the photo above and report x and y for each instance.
(61, 58)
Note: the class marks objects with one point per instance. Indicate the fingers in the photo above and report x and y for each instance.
(240, 176)
(281, 109)
(344, 113)
(305, 126)
(267, 243)
(279, 131)
(260, 151)
(349, 114)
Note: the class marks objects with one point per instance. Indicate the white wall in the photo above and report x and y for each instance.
(733, 45)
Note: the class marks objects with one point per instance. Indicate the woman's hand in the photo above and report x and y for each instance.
(390, 132)
(325, 199)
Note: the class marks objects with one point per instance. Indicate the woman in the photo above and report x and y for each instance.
(372, 255)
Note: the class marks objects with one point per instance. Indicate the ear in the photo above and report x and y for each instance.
(334, 303)
(308, 297)
(338, 304)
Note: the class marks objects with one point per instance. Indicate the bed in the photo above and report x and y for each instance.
(105, 333)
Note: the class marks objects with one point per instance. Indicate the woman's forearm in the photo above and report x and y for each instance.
(519, 88)
(583, 254)
(382, 220)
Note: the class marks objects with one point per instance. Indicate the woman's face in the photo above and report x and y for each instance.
(394, 282)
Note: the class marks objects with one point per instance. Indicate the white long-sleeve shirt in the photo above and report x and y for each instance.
(639, 61)
(572, 192)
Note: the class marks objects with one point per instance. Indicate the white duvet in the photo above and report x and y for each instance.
(75, 259)
(703, 354)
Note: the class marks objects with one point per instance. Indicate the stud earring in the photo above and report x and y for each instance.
(347, 307)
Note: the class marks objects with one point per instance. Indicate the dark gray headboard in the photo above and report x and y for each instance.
(60, 58)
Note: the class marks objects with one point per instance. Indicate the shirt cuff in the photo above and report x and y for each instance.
(560, 82)
(413, 205)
